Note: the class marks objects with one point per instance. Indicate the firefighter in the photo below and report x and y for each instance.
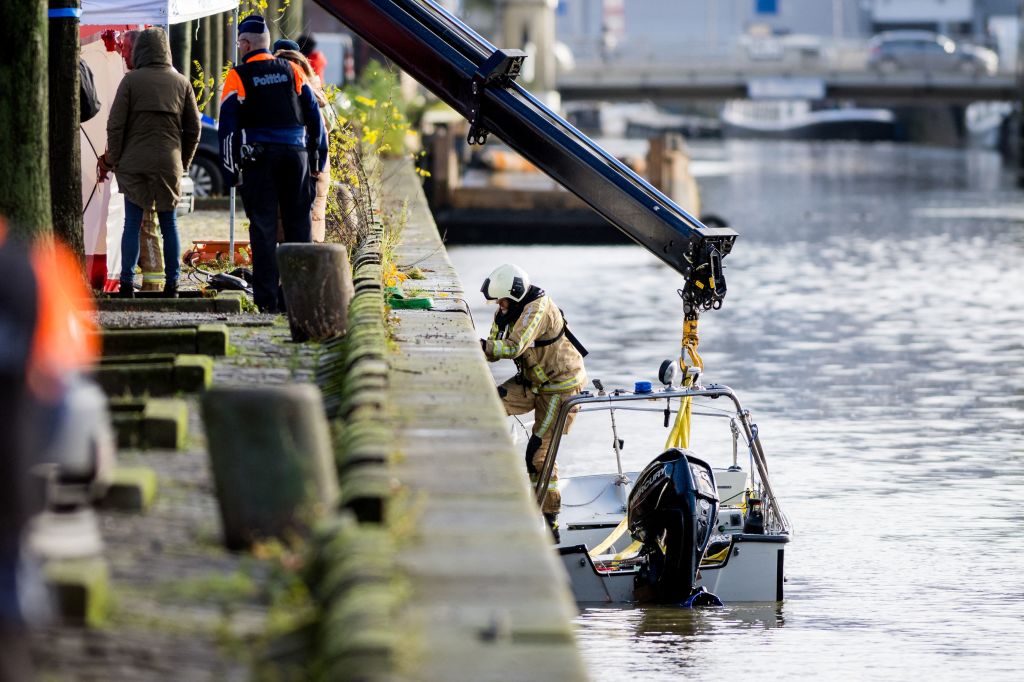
(273, 143)
(530, 330)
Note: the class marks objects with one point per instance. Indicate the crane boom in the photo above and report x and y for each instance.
(478, 80)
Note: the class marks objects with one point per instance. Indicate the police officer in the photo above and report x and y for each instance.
(273, 142)
(531, 330)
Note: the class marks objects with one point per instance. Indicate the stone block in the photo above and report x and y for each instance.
(137, 378)
(142, 341)
(187, 373)
(165, 423)
(153, 423)
(317, 284)
(271, 459)
(206, 339)
(192, 372)
(132, 490)
(212, 339)
(80, 589)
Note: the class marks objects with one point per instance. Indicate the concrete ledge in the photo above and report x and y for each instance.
(224, 302)
(206, 339)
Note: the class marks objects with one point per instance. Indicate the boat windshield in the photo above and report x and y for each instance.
(640, 425)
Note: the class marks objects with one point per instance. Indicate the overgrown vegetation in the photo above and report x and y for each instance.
(373, 123)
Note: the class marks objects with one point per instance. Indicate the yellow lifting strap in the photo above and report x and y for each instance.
(610, 540)
(607, 543)
(679, 437)
(633, 548)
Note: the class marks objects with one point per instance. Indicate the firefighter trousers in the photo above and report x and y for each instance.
(520, 399)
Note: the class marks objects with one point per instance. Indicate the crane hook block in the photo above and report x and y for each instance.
(501, 69)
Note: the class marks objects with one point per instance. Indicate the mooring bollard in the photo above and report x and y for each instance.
(270, 452)
(317, 283)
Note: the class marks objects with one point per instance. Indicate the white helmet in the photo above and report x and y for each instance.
(507, 281)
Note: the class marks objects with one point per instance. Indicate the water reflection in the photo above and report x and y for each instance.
(873, 328)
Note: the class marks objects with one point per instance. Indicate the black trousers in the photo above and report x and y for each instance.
(277, 177)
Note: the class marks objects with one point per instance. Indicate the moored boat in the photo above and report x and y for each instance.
(681, 529)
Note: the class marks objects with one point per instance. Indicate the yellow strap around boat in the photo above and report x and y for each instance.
(633, 548)
(717, 557)
(610, 540)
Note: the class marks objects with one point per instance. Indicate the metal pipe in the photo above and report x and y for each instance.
(231, 219)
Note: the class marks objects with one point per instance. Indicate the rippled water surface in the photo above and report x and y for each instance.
(874, 328)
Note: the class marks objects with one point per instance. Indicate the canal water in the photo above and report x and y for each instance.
(874, 326)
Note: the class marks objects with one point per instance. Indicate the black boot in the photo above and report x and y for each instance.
(126, 290)
(170, 289)
(552, 521)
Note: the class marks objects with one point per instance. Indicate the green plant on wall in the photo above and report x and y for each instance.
(372, 124)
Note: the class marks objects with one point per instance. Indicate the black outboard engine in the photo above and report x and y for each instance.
(673, 510)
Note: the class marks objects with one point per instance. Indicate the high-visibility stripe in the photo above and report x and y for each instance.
(549, 415)
(565, 386)
(527, 336)
(552, 484)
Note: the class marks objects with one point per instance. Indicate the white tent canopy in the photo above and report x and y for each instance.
(156, 12)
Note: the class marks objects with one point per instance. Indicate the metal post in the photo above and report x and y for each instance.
(231, 220)
(65, 159)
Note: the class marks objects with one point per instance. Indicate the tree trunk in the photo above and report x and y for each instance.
(24, 178)
(292, 25)
(272, 16)
(206, 52)
(65, 146)
(217, 35)
(181, 47)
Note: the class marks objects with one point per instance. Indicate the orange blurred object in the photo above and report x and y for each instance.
(216, 251)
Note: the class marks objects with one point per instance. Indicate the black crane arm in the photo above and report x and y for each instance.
(478, 80)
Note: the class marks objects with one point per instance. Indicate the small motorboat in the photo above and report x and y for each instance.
(681, 531)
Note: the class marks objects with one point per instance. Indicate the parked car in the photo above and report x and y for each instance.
(205, 171)
(926, 51)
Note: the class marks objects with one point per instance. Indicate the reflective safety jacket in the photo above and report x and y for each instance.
(547, 360)
(268, 101)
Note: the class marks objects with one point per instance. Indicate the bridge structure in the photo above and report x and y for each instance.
(664, 81)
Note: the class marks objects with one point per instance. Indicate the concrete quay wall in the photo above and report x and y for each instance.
(488, 599)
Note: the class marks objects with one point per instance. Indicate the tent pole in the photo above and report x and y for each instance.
(231, 224)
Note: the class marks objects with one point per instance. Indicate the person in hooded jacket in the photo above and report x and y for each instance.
(530, 330)
(152, 134)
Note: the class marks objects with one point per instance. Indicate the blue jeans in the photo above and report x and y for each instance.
(130, 242)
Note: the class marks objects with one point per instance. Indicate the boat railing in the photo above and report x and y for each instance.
(775, 519)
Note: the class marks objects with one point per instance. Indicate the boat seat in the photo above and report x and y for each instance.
(731, 484)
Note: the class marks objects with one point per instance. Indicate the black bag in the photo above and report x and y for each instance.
(90, 101)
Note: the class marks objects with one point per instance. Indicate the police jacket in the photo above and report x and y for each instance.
(533, 334)
(268, 101)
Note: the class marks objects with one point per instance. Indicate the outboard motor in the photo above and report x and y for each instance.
(673, 510)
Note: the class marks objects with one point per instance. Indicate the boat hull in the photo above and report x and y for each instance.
(753, 571)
